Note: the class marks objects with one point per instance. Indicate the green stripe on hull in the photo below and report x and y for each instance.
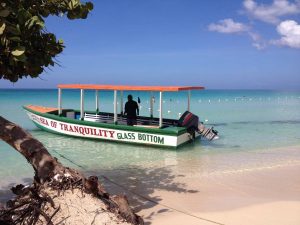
(111, 141)
(110, 126)
(152, 137)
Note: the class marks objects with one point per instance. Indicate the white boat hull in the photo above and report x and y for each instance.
(107, 134)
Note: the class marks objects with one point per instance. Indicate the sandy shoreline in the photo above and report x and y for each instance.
(262, 195)
(266, 197)
(256, 193)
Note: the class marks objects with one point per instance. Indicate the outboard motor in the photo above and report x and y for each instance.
(188, 120)
(192, 124)
(208, 133)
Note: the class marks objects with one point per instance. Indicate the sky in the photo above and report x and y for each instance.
(236, 44)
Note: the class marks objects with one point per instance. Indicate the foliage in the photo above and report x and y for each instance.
(26, 47)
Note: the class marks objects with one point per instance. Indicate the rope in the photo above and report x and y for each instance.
(71, 161)
(155, 202)
(141, 196)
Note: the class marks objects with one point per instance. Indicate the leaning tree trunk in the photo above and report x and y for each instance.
(51, 173)
(44, 165)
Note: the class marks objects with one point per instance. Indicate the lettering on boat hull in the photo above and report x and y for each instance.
(85, 131)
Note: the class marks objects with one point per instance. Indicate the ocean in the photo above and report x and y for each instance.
(252, 124)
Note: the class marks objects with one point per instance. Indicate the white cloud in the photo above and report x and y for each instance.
(289, 30)
(259, 46)
(290, 34)
(258, 42)
(272, 12)
(228, 26)
(254, 36)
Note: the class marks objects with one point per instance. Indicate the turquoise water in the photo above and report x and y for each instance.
(250, 123)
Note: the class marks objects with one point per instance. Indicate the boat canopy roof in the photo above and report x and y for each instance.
(128, 87)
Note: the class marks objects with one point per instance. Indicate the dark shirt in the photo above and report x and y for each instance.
(131, 107)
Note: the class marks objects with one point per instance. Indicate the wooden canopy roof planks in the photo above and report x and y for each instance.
(128, 87)
(41, 109)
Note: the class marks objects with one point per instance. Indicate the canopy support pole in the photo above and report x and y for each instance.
(97, 101)
(121, 102)
(81, 104)
(189, 100)
(160, 109)
(59, 102)
(115, 107)
(151, 104)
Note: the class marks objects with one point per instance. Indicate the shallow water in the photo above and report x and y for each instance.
(250, 123)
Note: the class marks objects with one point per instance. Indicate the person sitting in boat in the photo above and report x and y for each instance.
(131, 110)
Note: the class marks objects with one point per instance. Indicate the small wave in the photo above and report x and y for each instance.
(267, 122)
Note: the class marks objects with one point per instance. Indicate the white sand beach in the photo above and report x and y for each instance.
(262, 195)
(266, 197)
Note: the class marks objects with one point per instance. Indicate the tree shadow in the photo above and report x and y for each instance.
(5, 195)
(5, 192)
(139, 185)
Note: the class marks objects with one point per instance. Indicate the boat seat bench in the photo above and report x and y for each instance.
(102, 117)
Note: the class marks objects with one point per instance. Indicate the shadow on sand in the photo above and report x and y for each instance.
(139, 185)
(5, 192)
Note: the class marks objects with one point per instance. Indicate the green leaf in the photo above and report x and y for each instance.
(2, 28)
(71, 15)
(61, 41)
(45, 12)
(35, 71)
(73, 4)
(35, 20)
(13, 30)
(84, 14)
(21, 58)
(18, 51)
(16, 38)
(89, 6)
(24, 23)
(3, 41)
(4, 13)
(23, 15)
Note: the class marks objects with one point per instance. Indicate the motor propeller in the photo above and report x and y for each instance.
(208, 133)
